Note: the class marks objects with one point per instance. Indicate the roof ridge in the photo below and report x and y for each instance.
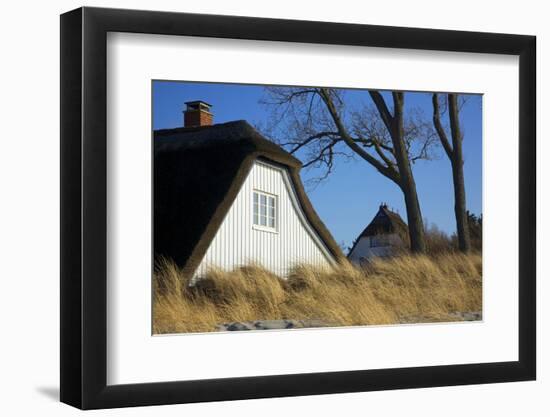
(393, 218)
(183, 129)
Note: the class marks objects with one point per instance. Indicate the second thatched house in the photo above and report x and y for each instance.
(384, 235)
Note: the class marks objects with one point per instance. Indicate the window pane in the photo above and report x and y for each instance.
(264, 209)
(255, 208)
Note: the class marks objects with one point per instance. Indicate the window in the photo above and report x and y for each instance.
(264, 210)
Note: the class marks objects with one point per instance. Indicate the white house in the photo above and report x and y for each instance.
(381, 238)
(226, 197)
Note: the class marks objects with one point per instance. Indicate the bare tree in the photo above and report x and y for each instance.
(453, 150)
(321, 125)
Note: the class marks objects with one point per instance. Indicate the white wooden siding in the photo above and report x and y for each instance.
(238, 242)
(363, 250)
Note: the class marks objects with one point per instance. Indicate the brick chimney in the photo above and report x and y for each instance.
(197, 113)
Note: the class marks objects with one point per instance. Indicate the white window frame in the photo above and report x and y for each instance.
(266, 227)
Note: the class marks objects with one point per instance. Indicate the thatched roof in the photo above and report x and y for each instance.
(198, 173)
(385, 222)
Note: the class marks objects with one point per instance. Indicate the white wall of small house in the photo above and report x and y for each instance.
(364, 249)
(239, 242)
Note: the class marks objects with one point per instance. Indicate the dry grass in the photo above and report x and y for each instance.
(398, 290)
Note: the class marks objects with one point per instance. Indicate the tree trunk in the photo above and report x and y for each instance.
(414, 216)
(407, 183)
(457, 163)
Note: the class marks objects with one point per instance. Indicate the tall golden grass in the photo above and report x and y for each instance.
(404, 289)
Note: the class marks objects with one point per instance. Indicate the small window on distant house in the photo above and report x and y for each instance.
(264, 210)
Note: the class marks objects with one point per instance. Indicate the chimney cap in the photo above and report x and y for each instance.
(199, 102)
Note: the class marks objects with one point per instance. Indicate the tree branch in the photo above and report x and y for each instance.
(456, 132)
(387, 171)
(379, 147)
(380, 104)
(380, 152)
(301, 144)
(439, 127)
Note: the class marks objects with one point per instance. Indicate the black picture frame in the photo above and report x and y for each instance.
(84, 207)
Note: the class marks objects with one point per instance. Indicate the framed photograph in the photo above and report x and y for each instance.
(259, 208)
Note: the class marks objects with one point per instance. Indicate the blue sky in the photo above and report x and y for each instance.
(349, 198)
